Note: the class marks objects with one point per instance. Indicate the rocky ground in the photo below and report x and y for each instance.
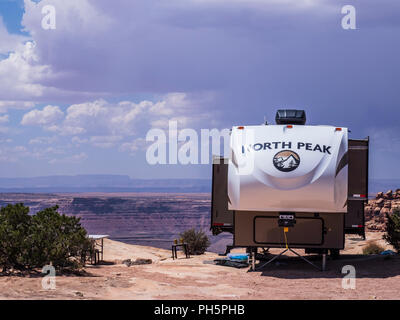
(376, 210)
(377, 277)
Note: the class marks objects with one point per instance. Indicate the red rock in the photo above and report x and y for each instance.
(368, 211)
(388, 195)
(395, 206)
(388, 204)
(379, 195)
(384, 212)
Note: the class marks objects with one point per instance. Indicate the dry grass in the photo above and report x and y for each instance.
(373, 248)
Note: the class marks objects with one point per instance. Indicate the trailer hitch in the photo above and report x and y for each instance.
(285, 230)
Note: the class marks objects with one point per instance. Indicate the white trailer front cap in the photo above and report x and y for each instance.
(288, 168)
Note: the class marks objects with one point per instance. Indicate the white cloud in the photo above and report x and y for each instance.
(6, 140)
(122, 125)
(86, 116)
(13, 153)
(173, 45)
(101, 118)
(9, 42)
(53, 150)
(271, 5)
(76, 158)
(43, 140)
(134, 146)
(20, 74)
(78, 141)
(35, 150)
(65, 130)
(48, 116)
(105, 141)
(19, 105)
(176, 45)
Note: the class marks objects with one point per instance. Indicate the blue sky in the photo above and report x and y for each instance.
(80, 99)
(11, 12)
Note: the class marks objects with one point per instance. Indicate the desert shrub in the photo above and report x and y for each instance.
(197, 241)
(373, 248)
(28, 242)
(58, 239)
(392, 235)
(15, 223)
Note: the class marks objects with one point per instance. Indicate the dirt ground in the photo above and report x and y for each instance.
(377, 277)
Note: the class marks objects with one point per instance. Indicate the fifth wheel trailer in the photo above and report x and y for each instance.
(314, 175)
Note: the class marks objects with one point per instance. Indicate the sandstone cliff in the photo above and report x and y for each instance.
(376, 210)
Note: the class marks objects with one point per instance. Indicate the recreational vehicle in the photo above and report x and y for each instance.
(291, 186)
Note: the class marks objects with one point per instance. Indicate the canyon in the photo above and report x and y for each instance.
(151, 219)
(156, 219)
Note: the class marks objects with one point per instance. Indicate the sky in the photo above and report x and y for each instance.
(80, 98)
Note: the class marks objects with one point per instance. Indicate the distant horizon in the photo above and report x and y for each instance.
(103, 175)
(104, 183)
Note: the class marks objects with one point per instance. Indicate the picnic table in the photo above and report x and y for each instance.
(98, 247)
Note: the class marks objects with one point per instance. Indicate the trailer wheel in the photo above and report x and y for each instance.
(334, 253)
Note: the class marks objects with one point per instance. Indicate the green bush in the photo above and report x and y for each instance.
(58, 239)
(28, 242)
(15, 240)
(373, 248)
(197, 241)
(392, 235)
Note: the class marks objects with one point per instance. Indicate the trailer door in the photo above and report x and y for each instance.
(358, 186)
(221, 217)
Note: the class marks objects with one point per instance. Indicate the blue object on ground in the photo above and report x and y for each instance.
(387, 252)
(238, 256)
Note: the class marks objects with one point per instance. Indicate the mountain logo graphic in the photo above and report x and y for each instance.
(286, 160)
